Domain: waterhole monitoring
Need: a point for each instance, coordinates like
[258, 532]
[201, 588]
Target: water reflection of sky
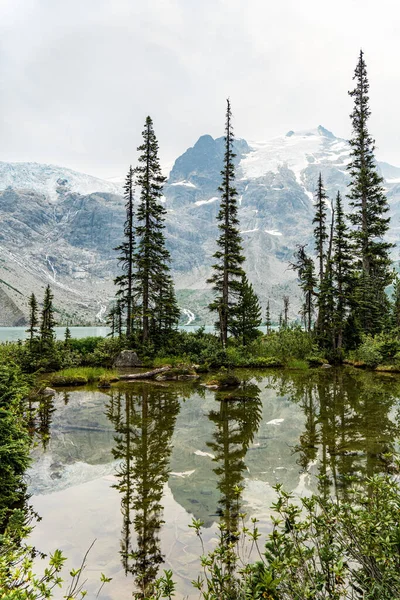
[294, 426]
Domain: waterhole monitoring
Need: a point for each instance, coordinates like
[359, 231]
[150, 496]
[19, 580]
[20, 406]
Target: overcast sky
[78, 77]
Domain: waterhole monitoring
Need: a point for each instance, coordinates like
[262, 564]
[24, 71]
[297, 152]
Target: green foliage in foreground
[318, 549]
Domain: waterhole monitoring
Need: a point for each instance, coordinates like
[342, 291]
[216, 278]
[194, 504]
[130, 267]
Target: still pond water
[131, 466]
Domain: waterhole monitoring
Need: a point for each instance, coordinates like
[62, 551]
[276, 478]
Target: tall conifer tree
[342, 270]
[246, 318]
[268, 318]
[48, 322]
[228, 273]
[305, 268]
[320, 230]
[152, 257]
[33, 319]
[369, 215]
[125, 282]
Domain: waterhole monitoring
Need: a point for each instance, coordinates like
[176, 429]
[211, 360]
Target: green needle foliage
[126, 259]
[47, 323]
[369, 215]
[153, 282]
[246, 318]
[228, 272]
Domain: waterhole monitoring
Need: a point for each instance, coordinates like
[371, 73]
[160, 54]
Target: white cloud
[79, 78]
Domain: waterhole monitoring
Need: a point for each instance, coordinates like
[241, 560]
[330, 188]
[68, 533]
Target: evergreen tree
[47, 323]
[111, 321]
[369, 215]
[33, 319]
[166, 314]
[228, 272]
[125, 282]
[326, 296]
[152, 257]
[304, 266]
[342, 270]
[246, 317]
[268, 319]
[320, 230]
[396, 303]
[67, 337]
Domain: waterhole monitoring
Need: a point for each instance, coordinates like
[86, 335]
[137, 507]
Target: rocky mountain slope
[60, 227]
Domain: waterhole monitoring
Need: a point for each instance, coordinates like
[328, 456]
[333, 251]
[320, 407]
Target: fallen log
[146, 375]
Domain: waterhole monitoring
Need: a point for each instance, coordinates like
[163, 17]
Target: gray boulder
[127, 358]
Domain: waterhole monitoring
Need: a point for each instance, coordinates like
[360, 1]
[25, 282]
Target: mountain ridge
[58, 233]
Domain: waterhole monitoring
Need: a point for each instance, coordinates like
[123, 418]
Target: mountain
[60, 227]
[51, 180]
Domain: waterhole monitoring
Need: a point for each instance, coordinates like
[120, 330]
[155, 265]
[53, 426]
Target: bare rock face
[127, 358]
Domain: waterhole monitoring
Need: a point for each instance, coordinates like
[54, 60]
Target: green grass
[81, 376]
[297, 363]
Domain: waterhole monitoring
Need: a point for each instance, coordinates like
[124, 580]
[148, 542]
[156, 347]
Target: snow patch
[184, 183]
[183, 473]
[201, 453]
[249, 230]
[275, 422]
[273, 232]
[210, 201]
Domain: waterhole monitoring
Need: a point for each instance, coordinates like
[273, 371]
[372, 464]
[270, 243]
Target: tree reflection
[349, 423]
[144, 418]
[236, 422]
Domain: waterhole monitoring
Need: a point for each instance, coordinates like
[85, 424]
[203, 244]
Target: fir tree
[320, 231]
[304, 266]
[369, 215]
[152, 257]
[111, 321]
[67, 337]
[268, 319]
[326, 296]
[125, 282]
[246, 317]
[47, 323]
[228, 272]
[342, 270]
[396, 303]
[33, 319]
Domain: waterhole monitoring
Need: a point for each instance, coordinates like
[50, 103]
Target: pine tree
[342, 271]
[320, 231]
[228, 272]
[369, 215]
[396, 303]
[47, 323]
[246, 317]
[326, 295]
[152, 257]
[268, 319]
[111, 321]
[166, 314]
[67, 337]
[304, 266]
[125, 282]
[33, 319]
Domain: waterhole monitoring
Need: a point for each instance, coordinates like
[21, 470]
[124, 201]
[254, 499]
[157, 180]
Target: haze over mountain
[60, 227]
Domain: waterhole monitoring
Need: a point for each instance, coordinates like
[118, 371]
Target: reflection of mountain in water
[345, 419]
[144, 420]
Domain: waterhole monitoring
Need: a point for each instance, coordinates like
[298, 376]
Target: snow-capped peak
[52, 180]
[296, 150]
